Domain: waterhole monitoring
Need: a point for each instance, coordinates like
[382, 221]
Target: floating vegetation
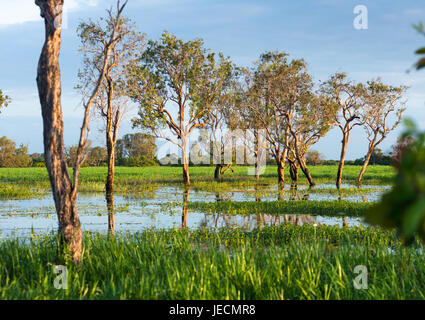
[313, 208]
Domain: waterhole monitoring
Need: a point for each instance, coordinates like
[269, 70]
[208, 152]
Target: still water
[163, 209]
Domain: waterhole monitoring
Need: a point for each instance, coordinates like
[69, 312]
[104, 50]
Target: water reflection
[185, 210]
[111, 213]
[258, 221]
[164, 208]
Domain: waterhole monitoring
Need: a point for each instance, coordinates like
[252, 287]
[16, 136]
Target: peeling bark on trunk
[185, 161]
[111, 137]
[49, 88]
[110, 191]
[372, 146]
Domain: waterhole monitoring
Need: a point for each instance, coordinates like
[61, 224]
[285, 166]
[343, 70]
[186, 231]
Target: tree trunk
[109, 187]
[185, 160]
[302, 162]
[217, 171]
[281, 173]
[49, 88]
[306, 172]
[293, 171]
[342, 160]
[257, 167]
[365, 164]
[111, 136]
[372, 146]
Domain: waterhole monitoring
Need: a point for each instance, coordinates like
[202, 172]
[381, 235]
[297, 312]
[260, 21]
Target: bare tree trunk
[217, 171]
[257, 168]
[111, 136]
[281, 172]
[293, 171]
[185, 161]
[109, 187]
[306, 172]
[365, 164]
[372, 146]
[49, 88]
[301, 161]
[342, 160]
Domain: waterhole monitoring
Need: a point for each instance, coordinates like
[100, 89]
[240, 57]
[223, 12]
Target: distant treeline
[133, 150]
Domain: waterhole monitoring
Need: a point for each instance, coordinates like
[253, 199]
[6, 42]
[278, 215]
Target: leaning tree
[124, 45]
[177, 84]
[383, 110]
[64, 188]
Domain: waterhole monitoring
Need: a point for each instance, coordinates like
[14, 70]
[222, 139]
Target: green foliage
[421, 62]
[183, 73]
[4, 100]
[286, 262]
[378, 157]
[140, 161]
[12, 157]
[403, 208]
[137, 149]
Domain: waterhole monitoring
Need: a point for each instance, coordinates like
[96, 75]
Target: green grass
[313, 208]
[18, 191]
[145, 179]
[286, 262]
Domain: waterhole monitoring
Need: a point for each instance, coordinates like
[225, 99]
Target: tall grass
[287, 262]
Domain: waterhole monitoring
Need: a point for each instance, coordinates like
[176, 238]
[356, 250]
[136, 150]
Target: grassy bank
[287, 262]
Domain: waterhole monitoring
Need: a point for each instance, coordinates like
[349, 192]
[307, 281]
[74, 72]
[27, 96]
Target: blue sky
[320, 31]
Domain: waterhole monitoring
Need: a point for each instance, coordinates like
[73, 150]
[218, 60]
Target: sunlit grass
[139, 180]
[287, 262]
[313, 208]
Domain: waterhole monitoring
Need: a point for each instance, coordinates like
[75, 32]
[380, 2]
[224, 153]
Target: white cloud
[22, 11]
[413, 12]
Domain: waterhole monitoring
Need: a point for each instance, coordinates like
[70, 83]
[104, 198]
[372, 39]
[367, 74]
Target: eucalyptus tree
[275, 87]
[124, 44]
[177, 84]
[244, 119]
[221, 127]
[64, 188]
[383, 111]
[348, 98]
[4, 101]
[311, 120]
[217, 139]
